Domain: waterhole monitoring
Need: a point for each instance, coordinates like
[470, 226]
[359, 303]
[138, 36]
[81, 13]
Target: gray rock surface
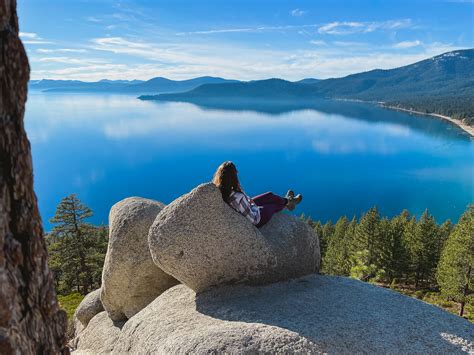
[89, 307]
[203, 242]
[100, 336]
[311, 314]
[130, 279]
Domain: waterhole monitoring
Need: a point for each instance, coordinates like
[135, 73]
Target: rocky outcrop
[130, 279]
[203, 242]
[214, 250]
[89, 307]
[312, 314]
[100, 336]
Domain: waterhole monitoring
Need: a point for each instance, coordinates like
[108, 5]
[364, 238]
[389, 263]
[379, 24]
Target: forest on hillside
[418, 257]
[461, 108]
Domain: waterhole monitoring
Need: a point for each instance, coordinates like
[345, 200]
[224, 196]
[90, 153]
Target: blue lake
[345, 157]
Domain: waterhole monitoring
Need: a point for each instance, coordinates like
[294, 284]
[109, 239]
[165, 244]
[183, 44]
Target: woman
[260, 209]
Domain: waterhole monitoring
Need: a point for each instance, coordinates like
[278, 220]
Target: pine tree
[76, 248]
[335, 261]
[396, 255]
[455, 273]
[409, 241]
[326, 234]
[422, 240]
[367, 236]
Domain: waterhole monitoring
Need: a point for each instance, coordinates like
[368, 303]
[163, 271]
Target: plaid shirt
[240, 202]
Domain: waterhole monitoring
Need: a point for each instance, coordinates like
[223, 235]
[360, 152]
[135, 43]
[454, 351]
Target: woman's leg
[267, 212]
[269, 204]
[269, 198]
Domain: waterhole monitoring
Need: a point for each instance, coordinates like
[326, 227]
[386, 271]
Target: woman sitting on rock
[259, 209]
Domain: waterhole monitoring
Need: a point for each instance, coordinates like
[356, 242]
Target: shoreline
[468, 129]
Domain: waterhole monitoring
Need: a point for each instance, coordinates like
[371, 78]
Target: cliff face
[30, 319]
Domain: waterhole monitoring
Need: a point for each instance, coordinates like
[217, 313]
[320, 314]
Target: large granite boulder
[89, 307]
[312, 314]
[203, 242]
[100, 336]
[130, 279]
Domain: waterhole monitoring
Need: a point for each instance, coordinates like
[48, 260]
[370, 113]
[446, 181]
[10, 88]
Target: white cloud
[318, 43]
[37, 42]
[350, 44]
[248, 29]
[33, 38]
[346, 28]
[28, 35]
[407, 44]
[61, 50]
[67, 60]
[93, 19]
[297, 12]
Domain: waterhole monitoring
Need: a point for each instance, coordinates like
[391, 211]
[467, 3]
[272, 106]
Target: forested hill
[258, 89]
[443, 84]
[449, 74]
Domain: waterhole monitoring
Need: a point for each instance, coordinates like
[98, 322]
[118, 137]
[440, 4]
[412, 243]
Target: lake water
[344, 157]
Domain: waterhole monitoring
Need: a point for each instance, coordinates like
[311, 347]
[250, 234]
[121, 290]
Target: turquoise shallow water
[344, 157]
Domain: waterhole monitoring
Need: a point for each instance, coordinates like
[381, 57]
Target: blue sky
[93, 40]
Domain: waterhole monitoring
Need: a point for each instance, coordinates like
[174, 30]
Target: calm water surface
[344, 157]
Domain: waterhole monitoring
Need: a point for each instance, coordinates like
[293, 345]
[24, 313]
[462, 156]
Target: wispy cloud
[93, 19]
[61, 50]
[406, 44]
[33, 38]
[29, 35]
[350, 44]
[67, 60]
[318, 43]
[248, 29]
[297, 12]
[346, 28]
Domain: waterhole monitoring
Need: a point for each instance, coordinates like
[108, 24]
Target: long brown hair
[225, 178]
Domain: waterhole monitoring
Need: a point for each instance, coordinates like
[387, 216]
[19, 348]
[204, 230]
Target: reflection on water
[344, 156]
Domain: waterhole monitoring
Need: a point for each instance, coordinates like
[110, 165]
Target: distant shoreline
[459, 123]
[468, 129]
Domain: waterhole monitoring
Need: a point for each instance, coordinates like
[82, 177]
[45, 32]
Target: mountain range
[154, 85]
[442, 84]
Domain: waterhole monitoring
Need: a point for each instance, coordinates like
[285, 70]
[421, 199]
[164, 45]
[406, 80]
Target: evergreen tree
[455, 274]
[326, 234]
[422, 241]
[76, 248]
[367, 239]
[396, 255]
[408, 242]
[443, 233]
[361, 268]
[336, 258]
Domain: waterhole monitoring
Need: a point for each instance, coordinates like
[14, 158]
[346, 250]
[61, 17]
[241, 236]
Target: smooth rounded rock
[130, 279]
[89, 307]
[313, 314]
[99, 337]
[203, 242]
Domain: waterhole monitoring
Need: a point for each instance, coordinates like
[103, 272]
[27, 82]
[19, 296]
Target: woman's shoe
[293, 201]
[298, 198]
